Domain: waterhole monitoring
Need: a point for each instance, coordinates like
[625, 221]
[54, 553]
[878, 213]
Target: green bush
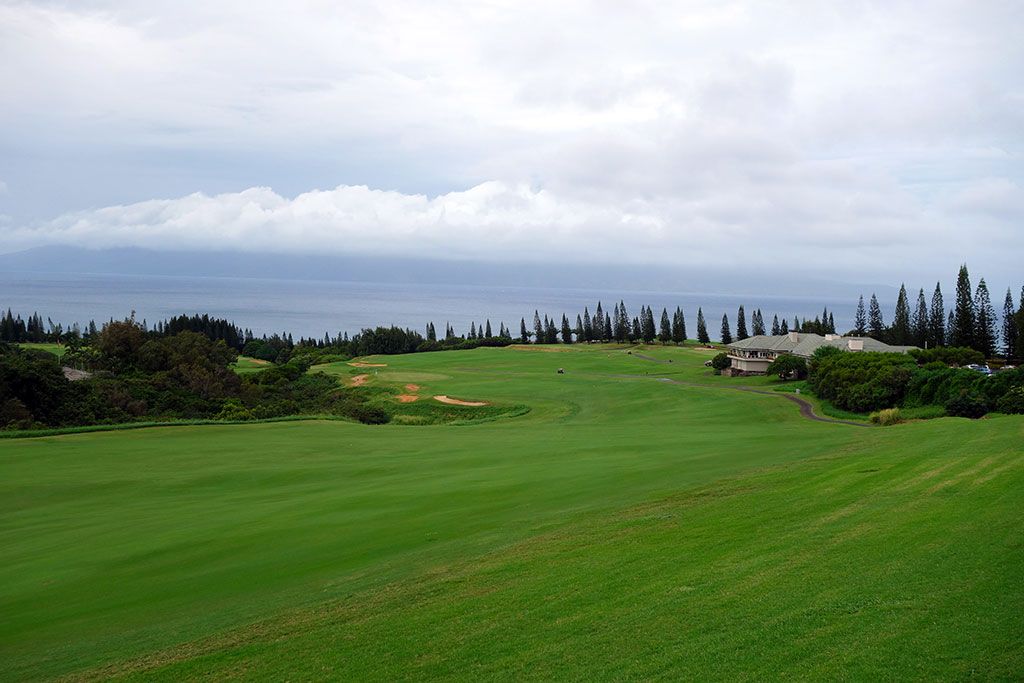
[967, 404]
[787, 366]
[1012, 402]
[720, 362]
[861, 381]
[947, 356]
[887, 417]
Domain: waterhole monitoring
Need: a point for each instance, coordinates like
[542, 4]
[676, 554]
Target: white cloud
[648, 130]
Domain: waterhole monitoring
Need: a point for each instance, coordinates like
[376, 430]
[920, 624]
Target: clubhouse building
[753, 355]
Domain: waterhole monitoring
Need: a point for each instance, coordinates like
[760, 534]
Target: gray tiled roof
[807, 343]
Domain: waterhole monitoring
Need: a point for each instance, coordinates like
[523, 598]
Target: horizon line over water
[311, 308]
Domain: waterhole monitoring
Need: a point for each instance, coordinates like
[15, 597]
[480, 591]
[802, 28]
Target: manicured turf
[623, 528]
[244, 365]
[56, 349]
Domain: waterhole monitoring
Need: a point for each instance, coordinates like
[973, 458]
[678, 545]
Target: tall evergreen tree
[985, 338]
[588, 327]
[741, 324]
[678, 326]
[776, 330]
[538, 328]
[901, 328]
[579, 329]
[702, 329]
[431, 333]
[726, 334]
[524, 336]
[472, 330]
[487, 330]
[665, 331]
[608, 325]
[758, 323]
[937, 319]
[599, 331]
[961, 331]
[1020, 326]
[860, 320]
[622, 323]
[566, 331]
[919, 323]
[876, 326]
[638, 330]
[647, 325]
[784, 327]
[1009, 325]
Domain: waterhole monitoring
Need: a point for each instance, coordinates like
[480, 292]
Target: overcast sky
[877, 139]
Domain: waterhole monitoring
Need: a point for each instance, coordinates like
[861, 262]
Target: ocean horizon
[311, 308]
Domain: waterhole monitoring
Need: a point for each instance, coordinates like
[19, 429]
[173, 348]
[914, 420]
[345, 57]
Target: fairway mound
[359, 380]
[457, 402]
[360, 364]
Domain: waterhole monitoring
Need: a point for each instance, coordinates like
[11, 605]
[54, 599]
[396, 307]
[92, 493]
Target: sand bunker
[360, 364]
[456, 402]
[359, 380]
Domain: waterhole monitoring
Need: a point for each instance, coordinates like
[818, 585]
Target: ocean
[310, 308]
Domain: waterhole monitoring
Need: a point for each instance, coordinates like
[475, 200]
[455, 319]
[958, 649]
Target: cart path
[806, 407]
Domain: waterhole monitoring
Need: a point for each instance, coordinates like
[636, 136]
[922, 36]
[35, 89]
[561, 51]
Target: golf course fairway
[622, 528]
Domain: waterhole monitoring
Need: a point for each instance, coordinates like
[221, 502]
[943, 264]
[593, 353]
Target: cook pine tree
[876, 326]
[900, 332]
[860, 320]
[919, 323]
[702, 329]
[937, 319]
[741, 324]
[1010, 331]
[726, 334]
[984, 321]
[961, 328]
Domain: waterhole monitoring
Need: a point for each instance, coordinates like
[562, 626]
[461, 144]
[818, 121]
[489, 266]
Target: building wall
[750, 364]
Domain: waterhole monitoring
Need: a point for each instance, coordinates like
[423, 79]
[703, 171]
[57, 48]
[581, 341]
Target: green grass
[623, 528]
[56, 349]
[245, 365]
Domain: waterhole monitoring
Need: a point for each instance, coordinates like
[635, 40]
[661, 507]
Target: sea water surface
[311, 308]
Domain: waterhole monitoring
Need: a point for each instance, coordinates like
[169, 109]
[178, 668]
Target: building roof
[805, 344]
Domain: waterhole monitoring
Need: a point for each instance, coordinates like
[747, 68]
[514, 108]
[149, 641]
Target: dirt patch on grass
[408, 398]
[359, 380]
[360, 364]
[412, 388]
[458, 402]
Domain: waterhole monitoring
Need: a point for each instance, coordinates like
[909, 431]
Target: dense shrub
[788, 365]
[720, 362]
[887, 417]
[862, 381]
[939, 386]
[947, 355]
[1012, 402]
[967, 405]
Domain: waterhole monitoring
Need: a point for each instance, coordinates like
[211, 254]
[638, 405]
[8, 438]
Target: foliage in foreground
[865, 382]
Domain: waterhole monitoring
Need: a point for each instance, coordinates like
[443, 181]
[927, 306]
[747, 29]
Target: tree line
[971, 322]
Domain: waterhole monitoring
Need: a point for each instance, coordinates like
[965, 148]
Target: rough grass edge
[123, 426]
